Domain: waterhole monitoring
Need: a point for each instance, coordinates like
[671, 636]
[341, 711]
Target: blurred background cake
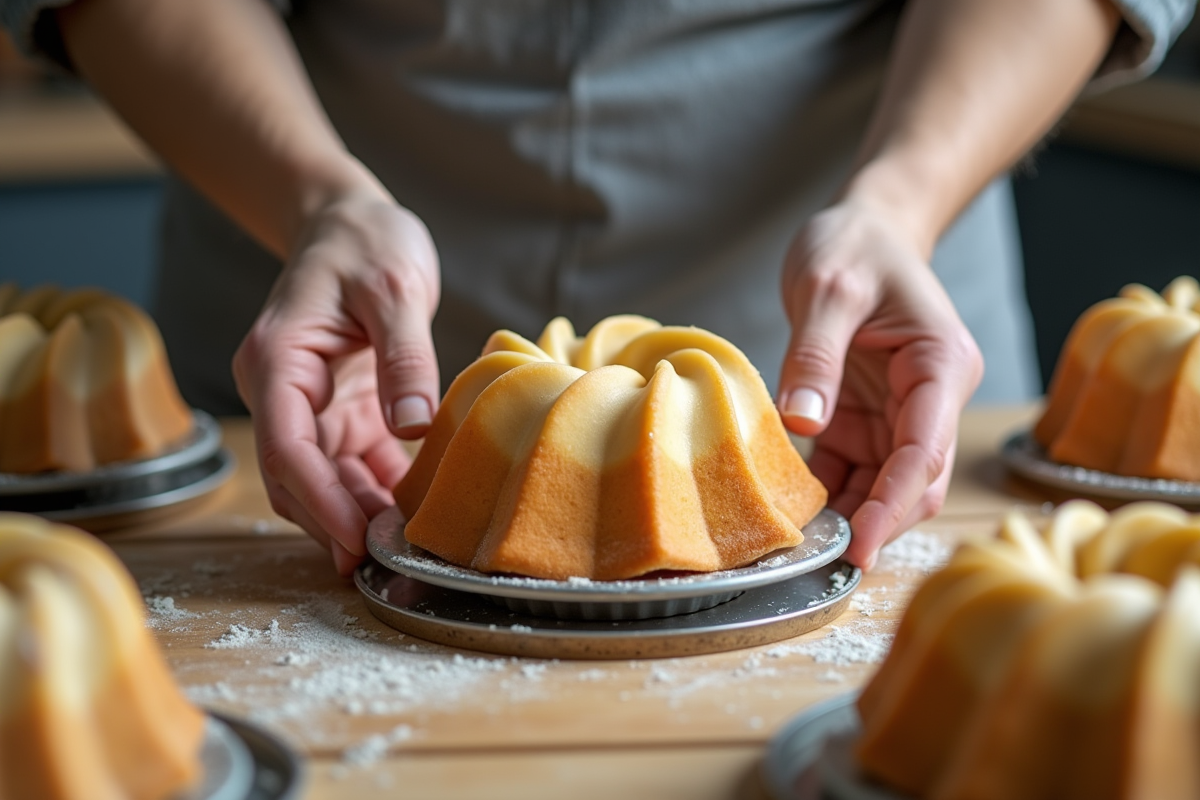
[84, 381]
[1054, 663]
[88, 708]
[1125, 397]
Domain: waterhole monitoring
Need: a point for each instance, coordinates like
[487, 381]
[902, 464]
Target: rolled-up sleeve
[1147, 30]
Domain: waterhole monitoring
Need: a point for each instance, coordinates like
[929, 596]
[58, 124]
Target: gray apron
[591, 158]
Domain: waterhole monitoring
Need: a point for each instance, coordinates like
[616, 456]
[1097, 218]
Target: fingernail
[871, 559]
[805, 403]
[410, 412]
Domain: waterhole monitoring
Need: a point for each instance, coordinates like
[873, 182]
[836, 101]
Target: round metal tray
[826, 537]
[240, 761]
[197, 446]
[1024, 456]
[460, 619]
[226, 766]
[812, 757]
[141, 493]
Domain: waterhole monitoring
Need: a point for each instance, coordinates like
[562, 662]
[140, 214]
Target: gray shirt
[588, 158]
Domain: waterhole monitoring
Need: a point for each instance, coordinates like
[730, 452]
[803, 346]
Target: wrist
[913, 194]
[325, 186]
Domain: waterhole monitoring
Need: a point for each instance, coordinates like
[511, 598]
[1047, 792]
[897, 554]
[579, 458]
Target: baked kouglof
[84, 381]
[88, 708]
[633, 449]
[1055, 663]
[1125, 397]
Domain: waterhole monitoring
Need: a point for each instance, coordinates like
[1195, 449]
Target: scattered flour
[328, 662]
[210, 568]
[840, 647]
[868, 603]
[373, 748]
[837, 584]
[915, 551]
[309, 657]
[163, 613]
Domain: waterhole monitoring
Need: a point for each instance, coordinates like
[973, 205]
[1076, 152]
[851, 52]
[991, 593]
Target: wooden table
[255, 623]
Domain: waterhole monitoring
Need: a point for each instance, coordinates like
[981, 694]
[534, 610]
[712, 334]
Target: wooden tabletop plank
[692, 773]
[255, 623]
[262, 628]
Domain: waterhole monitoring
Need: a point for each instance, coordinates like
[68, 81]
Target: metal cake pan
[812, 757]
[199, 445]
[826, 537]
[760, 615]
[1023, 455]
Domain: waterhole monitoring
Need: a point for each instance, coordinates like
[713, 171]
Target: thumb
[405, 362]
[823, 326]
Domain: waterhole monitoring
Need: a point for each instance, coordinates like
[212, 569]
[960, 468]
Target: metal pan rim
[1023, 455]
[630, 629]
[221, 469]
[198, 446]
[828, 529]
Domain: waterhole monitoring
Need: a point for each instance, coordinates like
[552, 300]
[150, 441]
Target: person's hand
[340, 359]
[878, 368]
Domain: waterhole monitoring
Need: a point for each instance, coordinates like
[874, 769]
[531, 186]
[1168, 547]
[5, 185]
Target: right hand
[339, 363]
[878, 369]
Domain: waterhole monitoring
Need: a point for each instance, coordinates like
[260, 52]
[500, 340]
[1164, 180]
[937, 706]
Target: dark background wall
[1092, 222]
[96, 233]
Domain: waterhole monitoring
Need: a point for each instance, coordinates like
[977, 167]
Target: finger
[360, 481]
[825, 309]
[931, 502]
[858, 437]
[924, 445]
[290, 456]
[396, 320]
[344, 562]
[829, 468]
[855, 491]
[389, 461]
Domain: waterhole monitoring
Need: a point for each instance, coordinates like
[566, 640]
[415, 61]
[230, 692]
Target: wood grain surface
[255, 623]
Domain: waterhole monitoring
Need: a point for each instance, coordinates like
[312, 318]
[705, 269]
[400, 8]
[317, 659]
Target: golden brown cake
[1057, 663]
[84, 381]
[1125, 397]
[88, 709]
[633, 449]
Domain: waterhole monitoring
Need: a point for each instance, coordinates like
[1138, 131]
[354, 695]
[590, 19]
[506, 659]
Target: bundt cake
[633, 449]
[1125, 397]
[1057, 663]
[84, 381]
[88, 708]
